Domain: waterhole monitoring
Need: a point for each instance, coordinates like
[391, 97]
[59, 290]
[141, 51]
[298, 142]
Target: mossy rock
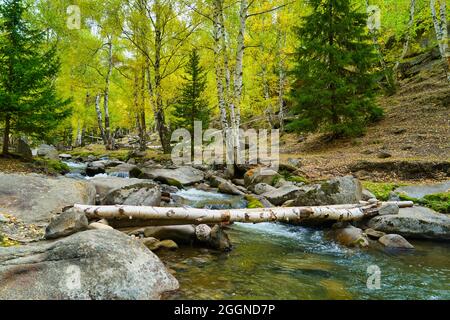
[253, 202]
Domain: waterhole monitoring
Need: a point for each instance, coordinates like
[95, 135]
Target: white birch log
[206, 216]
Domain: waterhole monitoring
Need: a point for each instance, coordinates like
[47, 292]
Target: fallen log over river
[183, 215]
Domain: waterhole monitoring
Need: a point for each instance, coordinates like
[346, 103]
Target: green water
[273, 261]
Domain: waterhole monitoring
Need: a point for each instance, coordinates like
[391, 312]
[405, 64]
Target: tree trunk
[170, 216]
[109, 139]
[100, 119]
[441, 28]
[412, 8]
[219, 61]
[6, 133]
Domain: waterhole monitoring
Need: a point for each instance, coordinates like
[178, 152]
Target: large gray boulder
[113, 190]
[417, 222]
[47, 151]
[90, 265]
[342, 190]
[36, 198]
[181, 176]
[138, 194]
[285, 193]
[23, 149]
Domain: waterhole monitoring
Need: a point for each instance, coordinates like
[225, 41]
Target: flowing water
[274, 261]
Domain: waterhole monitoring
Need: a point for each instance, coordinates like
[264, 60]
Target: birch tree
[441, 29]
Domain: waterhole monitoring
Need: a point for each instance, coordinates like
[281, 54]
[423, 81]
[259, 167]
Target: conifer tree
[335, 84]
[192, 105]
[28, 100]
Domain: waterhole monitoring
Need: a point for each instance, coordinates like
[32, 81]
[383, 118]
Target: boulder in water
[350, 236]
[184, 234]
[395, 241]
[227, 187]
[95, 264]
[414, 223]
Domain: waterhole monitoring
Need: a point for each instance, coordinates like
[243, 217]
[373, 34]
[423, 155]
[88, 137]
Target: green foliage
[6, 242]
[381, 190]
[334, 78]
[191, 105]
[253, 203]
[28, 70]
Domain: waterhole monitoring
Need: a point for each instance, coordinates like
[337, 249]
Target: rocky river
[267, 260]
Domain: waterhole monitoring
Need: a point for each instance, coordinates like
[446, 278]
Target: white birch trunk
[109, 142]
[441, 29]
[167, 216]
[100, 118]
[412, 9]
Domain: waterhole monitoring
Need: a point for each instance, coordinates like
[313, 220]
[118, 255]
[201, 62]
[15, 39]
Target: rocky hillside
[411, 142]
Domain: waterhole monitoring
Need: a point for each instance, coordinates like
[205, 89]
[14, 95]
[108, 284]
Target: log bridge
[161, 216]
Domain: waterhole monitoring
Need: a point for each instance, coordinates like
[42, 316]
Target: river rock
[350, 236]
[395, 241]
[95, 264]
[279, 196]
[184, 234]
[366, 195]
[24, 150]
[203, 233]
[373, 234]
[260, 175]
[342, 190]
[65, 224]
[36, 198]
[420, 191]
[166, 245]
[416, 222]
[138, 194]
[389, 209]
[262, 188]
[219, 239]
[181, 176]
[227, 187]
[104, 185]
[149, 242]
[47, 151]
[95, 168]
[123, 167]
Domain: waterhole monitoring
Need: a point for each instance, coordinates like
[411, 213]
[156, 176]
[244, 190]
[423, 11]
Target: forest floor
[412, 142]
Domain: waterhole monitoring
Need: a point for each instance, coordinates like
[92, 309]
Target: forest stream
[274, 261]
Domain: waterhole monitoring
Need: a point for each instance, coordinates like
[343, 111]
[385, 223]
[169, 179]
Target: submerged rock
[184, 234]
[416, 222]
[350, 236]
[90, 265]
[36, 198]
[395, 241]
